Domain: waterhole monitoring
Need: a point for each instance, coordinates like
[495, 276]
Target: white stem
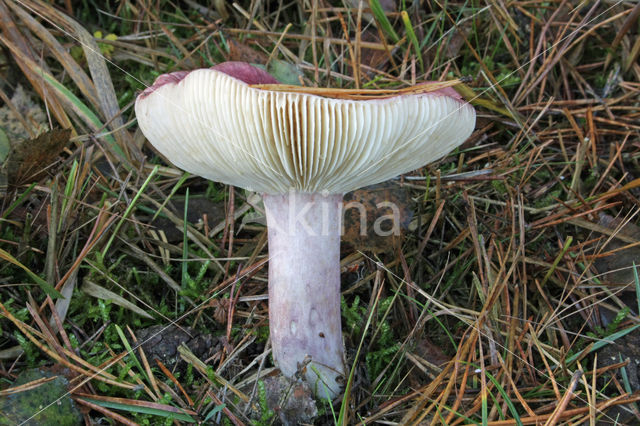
[304, 287]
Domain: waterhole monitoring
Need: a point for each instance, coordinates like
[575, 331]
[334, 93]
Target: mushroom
[302, 152]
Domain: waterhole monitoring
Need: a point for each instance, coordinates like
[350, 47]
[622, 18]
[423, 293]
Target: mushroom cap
[212, 123]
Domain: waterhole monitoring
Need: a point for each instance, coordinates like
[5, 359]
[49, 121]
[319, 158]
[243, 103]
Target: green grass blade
[600, 343]
[636, 281]
[87, 115]
[413, 39]
[130, 351]
[19, 201]
[129, 209]
[557, 260]
[68, 191]
[45, 286]
[214, 411]
[382, 20]
[168, 413]
[347, 390]
[485, 409]
[506, 398]
[175, 188]
[185, 245]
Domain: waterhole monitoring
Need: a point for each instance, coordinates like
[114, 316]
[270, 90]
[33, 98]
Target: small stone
[46, 404]
[292, 401]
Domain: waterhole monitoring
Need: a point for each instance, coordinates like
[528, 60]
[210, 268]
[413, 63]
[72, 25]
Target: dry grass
[508, 273]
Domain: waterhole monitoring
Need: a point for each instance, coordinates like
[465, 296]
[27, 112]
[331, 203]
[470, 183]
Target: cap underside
[215, 126]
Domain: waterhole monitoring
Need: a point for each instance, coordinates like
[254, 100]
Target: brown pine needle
[359, 94]
[175, 381]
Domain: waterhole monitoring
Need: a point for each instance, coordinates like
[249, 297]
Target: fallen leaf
[30, 160]
[375, 217]
[245, 53]
[220, 309]
[285, 72]
[100, 292]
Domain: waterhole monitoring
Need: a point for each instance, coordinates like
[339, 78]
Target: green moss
[46, 404]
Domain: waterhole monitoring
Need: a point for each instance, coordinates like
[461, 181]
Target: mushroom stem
[304, 287]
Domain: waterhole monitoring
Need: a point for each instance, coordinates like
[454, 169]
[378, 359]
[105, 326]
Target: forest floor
[133, 292]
